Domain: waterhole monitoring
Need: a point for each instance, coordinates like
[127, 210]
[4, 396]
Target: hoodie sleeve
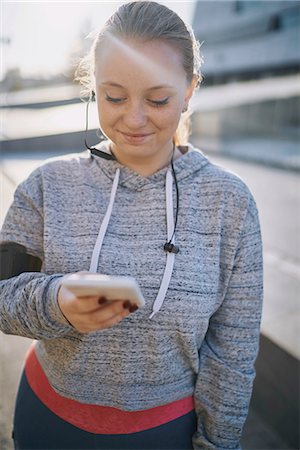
[28, 302]
[228, 353]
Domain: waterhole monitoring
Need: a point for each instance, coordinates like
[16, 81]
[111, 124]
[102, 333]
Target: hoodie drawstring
[170, 256]
[104, 225]
[170, 235]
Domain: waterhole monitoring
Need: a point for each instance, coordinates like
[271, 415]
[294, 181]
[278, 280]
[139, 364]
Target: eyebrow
[154, 88]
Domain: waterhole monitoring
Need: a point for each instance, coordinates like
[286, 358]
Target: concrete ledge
[67, 141]
[281, 153]
[275, 117]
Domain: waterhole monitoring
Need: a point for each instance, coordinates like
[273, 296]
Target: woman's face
[141, 90]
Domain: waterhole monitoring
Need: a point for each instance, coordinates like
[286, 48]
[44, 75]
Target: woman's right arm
[28, 302]
[29, 308]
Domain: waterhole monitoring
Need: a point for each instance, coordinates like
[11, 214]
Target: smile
[135, 137]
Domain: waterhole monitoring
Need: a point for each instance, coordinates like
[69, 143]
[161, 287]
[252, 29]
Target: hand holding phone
[92, 302]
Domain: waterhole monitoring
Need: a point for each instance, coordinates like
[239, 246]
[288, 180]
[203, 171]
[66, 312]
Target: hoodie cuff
[58, 320]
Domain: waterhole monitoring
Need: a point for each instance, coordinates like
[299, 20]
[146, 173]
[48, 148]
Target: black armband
[14, 260]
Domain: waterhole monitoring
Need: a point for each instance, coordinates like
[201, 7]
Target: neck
[147, 166]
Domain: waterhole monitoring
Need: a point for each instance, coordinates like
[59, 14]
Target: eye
[113, 99]
[163, 102]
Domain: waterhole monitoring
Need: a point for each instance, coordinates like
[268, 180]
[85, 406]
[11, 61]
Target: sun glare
[40, 38]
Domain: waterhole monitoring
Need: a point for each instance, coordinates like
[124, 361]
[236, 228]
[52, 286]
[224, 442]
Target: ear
[189, 91]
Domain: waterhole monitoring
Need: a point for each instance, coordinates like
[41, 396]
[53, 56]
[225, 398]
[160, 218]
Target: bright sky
[44, 34]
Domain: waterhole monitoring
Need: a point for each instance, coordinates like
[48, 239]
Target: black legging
[36, 427]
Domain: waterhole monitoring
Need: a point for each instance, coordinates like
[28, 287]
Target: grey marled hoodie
[204, 339]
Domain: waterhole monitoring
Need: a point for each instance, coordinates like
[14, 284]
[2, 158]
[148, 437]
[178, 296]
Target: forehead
[130, 61]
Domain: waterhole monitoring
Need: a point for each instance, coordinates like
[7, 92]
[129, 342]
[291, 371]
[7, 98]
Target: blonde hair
[147, 20]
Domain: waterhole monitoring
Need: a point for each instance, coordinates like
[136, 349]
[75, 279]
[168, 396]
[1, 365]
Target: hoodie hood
[191, 161]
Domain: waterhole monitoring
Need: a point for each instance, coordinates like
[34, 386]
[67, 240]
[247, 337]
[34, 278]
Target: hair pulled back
[146, 21]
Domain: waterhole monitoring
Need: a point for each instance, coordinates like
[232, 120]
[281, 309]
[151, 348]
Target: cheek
[169, 118]
[107, 115]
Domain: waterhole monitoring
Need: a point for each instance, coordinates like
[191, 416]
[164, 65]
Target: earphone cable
[87, 125]
[94, 150]
[177, 194]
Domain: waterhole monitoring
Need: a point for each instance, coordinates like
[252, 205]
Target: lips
[135, 138]
[136, 135]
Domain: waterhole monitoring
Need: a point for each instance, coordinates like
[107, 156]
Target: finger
[88, 304]
[133, 308]
[94, 325]
[128, 308]
[102, 300]
[106, 311]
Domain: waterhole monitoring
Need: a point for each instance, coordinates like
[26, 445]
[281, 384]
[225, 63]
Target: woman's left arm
[228, 353]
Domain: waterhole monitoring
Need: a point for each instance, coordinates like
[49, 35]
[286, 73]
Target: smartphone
[111, 287]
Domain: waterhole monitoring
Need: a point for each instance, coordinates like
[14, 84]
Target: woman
[177, 373]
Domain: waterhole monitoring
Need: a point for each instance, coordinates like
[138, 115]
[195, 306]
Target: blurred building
[247, 39]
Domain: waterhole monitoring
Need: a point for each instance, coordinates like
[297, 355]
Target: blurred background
[246, 118]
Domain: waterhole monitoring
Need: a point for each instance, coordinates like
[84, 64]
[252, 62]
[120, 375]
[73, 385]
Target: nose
[134, 116]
